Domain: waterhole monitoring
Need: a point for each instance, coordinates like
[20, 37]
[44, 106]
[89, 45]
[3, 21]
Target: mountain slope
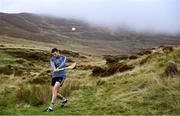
[51, 30]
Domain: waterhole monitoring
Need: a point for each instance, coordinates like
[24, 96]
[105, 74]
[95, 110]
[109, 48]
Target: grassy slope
[143, 90]
[140, 91]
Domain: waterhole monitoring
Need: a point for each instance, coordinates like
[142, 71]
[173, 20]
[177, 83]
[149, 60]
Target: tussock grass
[69, 86]
[32, 94]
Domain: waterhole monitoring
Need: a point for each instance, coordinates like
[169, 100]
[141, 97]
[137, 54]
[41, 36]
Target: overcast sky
[153, 15]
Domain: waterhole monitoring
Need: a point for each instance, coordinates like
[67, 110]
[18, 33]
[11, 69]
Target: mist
[140, 15]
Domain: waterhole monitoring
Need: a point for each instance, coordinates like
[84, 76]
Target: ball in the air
[73, 29]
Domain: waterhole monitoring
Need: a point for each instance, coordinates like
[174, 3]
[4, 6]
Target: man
[57, 62]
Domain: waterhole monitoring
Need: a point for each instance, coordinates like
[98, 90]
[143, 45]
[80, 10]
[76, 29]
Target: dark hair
[54, 50]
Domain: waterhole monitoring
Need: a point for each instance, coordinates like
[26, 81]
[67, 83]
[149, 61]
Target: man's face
[56, 54]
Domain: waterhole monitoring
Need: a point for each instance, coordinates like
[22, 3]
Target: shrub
[20, 60]
[167, 48]
[70, 53]
[85, 67]
[28, 54]
[100, 82]
[70, 60]
[2, 45]
[123, 57]
[145, 52]
[133, 57]
[111, 59]
[42, 78]
[111, 69]
[144, 60]
[97, 71]
[7, 70]
[18, 72]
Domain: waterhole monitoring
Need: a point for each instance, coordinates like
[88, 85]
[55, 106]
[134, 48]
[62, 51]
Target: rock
[172, 69]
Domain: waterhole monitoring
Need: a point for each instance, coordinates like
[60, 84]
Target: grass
[141, 91]
[33, 95]
[69, 86]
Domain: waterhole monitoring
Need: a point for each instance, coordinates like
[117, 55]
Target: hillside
[25, 80]
[53, 31]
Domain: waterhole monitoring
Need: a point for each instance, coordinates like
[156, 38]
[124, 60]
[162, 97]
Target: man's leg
[60, 97]
[54, 95]
[58, 94]
[63, 100]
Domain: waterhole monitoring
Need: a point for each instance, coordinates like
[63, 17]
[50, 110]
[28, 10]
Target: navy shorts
[57, 79]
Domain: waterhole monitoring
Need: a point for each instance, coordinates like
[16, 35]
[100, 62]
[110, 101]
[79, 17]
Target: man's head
[55, 52]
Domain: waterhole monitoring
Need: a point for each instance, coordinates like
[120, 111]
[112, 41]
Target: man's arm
[53, 67]
[73, 65]
[63, 62]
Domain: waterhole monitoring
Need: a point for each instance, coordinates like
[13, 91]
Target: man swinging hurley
[58, 62]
